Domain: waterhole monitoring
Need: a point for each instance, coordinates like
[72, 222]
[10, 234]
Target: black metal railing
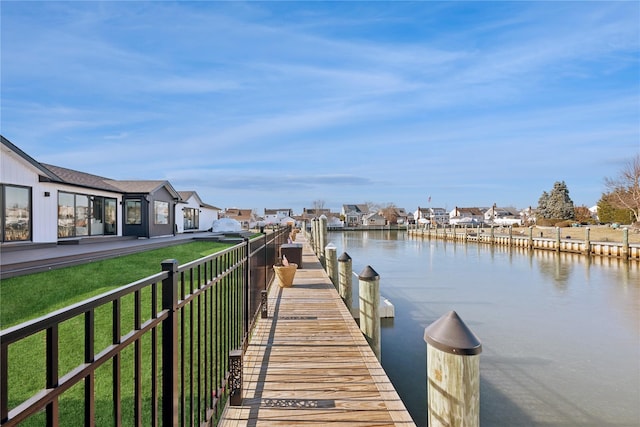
[159, 346]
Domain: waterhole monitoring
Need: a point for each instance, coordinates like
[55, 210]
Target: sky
[294, 104]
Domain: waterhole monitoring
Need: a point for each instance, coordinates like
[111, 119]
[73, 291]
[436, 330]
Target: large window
[82, 215]
[161, 212]
[16, 213]
[191, 218]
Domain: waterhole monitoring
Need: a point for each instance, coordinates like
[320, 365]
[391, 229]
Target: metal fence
[153, 352]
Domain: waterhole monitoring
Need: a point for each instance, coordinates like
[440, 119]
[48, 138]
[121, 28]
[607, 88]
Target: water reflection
[560, 331]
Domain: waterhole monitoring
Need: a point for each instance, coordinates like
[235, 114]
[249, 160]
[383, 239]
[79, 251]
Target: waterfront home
[502, 216]
[373, 219]
[466, 216]
[276, 216]
[354, 214]
[433, 216]
[192, 214]
[245, 217]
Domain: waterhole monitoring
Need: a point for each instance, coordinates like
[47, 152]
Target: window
[191, 219]
[83, 215]
[133, 212]
[161, 212]
[16, 213]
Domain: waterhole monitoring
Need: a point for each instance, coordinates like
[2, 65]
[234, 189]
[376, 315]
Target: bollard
[235, 378]
[558, 239]
[453, 373]
[510, 235]
[331, 256]
[530, 236]
[369, 289]
[345, 280]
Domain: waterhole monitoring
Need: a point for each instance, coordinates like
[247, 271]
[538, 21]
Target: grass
[27, 297]
[597, 233]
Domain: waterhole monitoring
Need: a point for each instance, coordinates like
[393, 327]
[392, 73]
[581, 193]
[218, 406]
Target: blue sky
[279, 104]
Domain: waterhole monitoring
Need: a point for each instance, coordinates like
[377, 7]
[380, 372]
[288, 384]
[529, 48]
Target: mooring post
[587, 241]
[510, 235]
[323, 238]
[345, 280]
[558, 239]
[314, 235]
[530, 236]
[453, 373]
[369, 290]
[331, 255]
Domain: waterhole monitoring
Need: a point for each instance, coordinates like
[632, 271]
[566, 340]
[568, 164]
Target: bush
[565, 223]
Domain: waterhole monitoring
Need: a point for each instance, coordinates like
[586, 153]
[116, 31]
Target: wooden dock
[309, 364]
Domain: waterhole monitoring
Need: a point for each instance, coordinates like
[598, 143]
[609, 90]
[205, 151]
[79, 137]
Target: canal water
[560, 332]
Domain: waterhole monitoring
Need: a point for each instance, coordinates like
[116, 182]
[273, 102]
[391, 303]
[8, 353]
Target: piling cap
[368, 274]
[451, 335]
[344, 257]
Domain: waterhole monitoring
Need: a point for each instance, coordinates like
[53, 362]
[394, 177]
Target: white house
[276, 216]
[502, 216]
[353, 214]
[373, 219]
[466, 216]
[192, 214]
[433, 216]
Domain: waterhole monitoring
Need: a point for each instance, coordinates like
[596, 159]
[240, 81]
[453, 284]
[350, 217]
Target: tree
[557, 204]
[583, 215]
[624, 190]
[607, 213]
[390, 213]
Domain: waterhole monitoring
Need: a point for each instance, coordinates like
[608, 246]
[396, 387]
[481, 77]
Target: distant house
[310, 213]
[466, 216]
[353, 214]
[192, 214]
[245, 217]
[373, 219]
[433, 216]
[502, 216]
[276, 216]
[395, 215]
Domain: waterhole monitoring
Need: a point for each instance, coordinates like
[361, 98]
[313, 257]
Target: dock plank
[308, 364]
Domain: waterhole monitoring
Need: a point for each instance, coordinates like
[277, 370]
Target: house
[310, 213]
[373, 219]
[245, 217]
[466, 216]
[395, 215]
[48, 204]
[354, 214]
[192, 214]
[276, 216]
[502, 216]
[433, 216]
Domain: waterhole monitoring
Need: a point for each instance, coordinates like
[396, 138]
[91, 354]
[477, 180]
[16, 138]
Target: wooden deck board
[308, 363]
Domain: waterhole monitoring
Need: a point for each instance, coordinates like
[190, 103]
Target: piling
[625, 243]
[453, 373]
[345, 272]
[587, 241]
[322, 231]
[557, 239]
[331, 267]
[369, 290]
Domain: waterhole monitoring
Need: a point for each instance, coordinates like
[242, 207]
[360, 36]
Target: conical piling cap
[368, 274]
[344, 257]
[450, 334]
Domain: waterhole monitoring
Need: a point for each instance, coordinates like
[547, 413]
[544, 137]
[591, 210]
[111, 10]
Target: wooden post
[331, 256]
[510, 235]
[322, 228]
[625, 243]
[558, 239]
[453, 373]
[369, 289]
[345, 280]
[587, 241]
[493, 235]
[314, 234]
[530, 236]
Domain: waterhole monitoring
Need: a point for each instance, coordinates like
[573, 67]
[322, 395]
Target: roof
[82, 179]
[46, 172]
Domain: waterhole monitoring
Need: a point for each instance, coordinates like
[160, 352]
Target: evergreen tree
[557, 204]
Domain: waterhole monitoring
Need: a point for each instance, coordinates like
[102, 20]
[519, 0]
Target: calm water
[560, 334]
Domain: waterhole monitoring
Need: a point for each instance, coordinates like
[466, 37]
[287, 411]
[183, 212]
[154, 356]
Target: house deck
[309, 364]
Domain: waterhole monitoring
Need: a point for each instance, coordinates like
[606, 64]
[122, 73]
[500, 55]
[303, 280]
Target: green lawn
[28, 297]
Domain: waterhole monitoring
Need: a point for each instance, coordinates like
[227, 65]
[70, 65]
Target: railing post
[345, 272]
[453, 373]
[369, 290]
[235, 378]
[170, 394]
[331, 255]
[246, 297]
